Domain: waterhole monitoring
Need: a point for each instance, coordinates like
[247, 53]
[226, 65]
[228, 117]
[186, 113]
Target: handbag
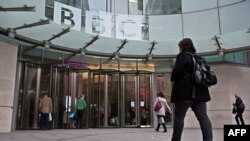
[157, 105]
[234, 110]
[50, 117]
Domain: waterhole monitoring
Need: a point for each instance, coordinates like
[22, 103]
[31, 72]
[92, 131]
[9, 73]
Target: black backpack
[241, 107]
[202, 75]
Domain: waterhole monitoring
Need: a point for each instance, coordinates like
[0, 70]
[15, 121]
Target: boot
[165, 128]
[157, 129]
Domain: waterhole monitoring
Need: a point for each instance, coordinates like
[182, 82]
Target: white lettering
[231, 133]
[67, 15]
[237, 131]
[243, 131]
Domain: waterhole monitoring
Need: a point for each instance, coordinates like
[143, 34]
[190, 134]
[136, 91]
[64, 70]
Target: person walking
[80, 106]
[45, 106]
[186, 94]
[239, 109]
[162, 111]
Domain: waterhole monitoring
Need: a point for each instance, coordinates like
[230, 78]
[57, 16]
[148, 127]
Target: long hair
[160, 94]
[187, 44]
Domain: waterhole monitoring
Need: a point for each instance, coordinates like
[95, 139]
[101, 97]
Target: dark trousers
[200, 111]
[79, 114]
[44, 121]
[239, 116]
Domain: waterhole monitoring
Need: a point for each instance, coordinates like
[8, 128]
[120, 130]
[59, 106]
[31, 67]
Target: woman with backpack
[185, 93]
[239, 109]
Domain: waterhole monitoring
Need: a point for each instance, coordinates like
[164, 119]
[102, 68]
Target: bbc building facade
[119, 54]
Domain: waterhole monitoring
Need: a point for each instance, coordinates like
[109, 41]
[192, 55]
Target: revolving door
[136, 92]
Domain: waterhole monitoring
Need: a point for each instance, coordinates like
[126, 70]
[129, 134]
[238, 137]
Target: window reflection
[130, 7]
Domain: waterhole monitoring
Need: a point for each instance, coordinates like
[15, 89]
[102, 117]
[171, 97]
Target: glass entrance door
[136, 97]
[129, 95]
[68, 85]
[104, 106]
[145, 100]
[27, 110]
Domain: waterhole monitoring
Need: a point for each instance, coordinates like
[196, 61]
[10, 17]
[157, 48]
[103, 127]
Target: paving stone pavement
[104, 134]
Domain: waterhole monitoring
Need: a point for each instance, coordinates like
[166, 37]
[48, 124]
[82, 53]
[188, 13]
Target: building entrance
[114, 98]
[105, 99]
[137, 99]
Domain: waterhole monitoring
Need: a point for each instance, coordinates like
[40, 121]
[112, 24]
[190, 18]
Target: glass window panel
[40, 7]
[229, 57]
[235, 40]
[50, 2]
[97, 5]
[74, 3]
[121, 6]
[162, 7]
[165, 27]
[227, 2]
[154, 7]
[135, 7]
[49, 13]
[201, 24]
[214, 58]
[195, 5]
[239, 57]
[234, 17]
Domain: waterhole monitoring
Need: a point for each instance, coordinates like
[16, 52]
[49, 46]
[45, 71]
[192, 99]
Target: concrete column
[8, 60]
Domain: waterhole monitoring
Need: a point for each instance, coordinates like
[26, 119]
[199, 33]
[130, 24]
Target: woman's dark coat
[181, 77]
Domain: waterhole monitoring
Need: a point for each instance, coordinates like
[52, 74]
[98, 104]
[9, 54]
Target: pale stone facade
[8, 61]
[231, 79]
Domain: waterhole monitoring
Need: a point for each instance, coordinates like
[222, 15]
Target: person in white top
[162, 111]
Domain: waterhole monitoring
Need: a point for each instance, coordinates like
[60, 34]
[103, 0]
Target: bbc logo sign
[236, 132]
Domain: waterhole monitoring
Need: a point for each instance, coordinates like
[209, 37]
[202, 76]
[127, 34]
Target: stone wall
[8, 60]
[231, 79]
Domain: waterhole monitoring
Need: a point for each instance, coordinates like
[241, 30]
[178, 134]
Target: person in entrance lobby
[45, 106]
[80, 106]
[185, 94]
[162, 111]
[239, 109]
